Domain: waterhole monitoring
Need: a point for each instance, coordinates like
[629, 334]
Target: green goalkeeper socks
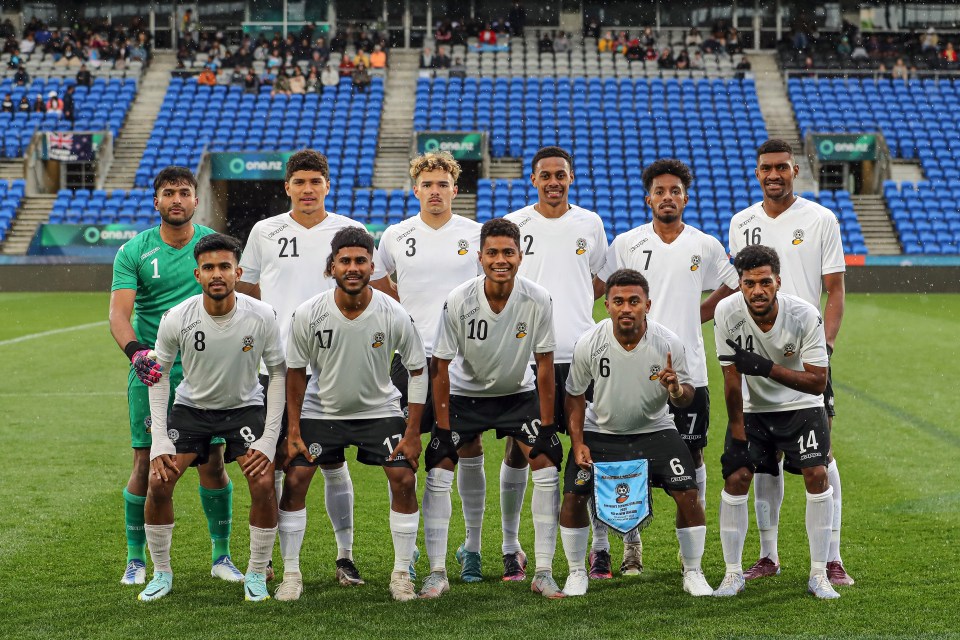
[218, 507]
[133, 515]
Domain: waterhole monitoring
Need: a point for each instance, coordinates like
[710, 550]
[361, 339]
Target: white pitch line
[62, 394]
[51, 332]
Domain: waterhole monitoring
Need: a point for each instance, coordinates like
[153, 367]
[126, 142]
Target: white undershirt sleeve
[276, 396]
[159, 395]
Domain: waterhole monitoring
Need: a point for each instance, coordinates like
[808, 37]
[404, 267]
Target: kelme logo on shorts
[378, 339]
[655, 371]
[247, 343]
[581, 246]
[694, 262]
[583, 476]
[521, 329]
[798, 236]
[623, 492]
[315, 449]
[462, 247]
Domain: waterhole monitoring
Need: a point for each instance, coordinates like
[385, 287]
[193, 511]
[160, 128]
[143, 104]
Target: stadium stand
[11, 195]
[83, 206]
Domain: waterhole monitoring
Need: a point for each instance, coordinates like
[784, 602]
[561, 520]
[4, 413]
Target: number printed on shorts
[810, 444]
[198, 341]
[388, 442]
[692, 417]
[676, 467]
[247, 434]
[531, 430]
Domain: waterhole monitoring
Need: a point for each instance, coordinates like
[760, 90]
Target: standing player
[776, 342]
[563, 247]
[679, 262]
[806, 237]
[152, 273]
[347, 336]
[283, 264]
[637, 367]
[490, 327]
[221, 337]
[431, 254]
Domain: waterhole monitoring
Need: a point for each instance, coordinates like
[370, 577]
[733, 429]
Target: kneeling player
[630, 361]
[221, 337]
[776, 341]
[489, 327]
[347, 336]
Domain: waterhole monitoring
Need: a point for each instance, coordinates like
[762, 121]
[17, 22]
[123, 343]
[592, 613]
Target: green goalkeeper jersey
[161, 275]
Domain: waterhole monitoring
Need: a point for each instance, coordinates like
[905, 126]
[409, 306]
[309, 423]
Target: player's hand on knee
[747, 362]
[255, 463]
[548, 444]
[581, 455]
[164, 467]
[146, 367]
[409, 448]
[736, 456]
[442, 443]
[297, 447]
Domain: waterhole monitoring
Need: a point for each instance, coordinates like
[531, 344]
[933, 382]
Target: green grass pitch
[64, 458]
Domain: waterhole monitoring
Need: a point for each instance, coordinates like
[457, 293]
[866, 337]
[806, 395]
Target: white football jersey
[678, 274]
[796, 338]
[806, 237]
[429, 264]
[491, 352]
[350, 359]
[288, 260]
[627, 395]
[220, 362]
[562, 255]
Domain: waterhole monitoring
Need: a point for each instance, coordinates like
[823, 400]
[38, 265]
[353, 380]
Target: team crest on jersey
[655, 371]
[173, 434]
[789, 350]
[147, 424]
[247, 343]
[315, 449]
[694, 262]
[582, 477]
[462, 247]
[581, 246]
[623, 492]
[521, 329]
[798, 236]
[455, 438]
[378, 339]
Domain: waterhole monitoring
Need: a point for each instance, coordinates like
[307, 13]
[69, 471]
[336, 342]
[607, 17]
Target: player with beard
[152, 273]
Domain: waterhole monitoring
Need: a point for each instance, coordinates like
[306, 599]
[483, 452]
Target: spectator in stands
[693, 39]
[236, 77]
[69, 108]
[517, 18]
[208, 77]
[251, 83]
[636, 51]
[844, 49]
[361, 78]
[329, 77]
[809, 66]
[682, 62]
[21, 77]
[591, 28]
[84, 79]
[24, 105]
[426, 59]
[361, 58]
[665, 60]
[622, 43]
[562, 43]
[54, 103]
[28, 44]
[7, 30]
[378, 59]
[733, 42]
[696, 62]
[949, 56]
[458, 69]
[605, 44]
[298, 83]
[7, 105]
[346, 67]
[650, 54]
[138, 51]
[647, 39]
[743, 67]
[930, 41]
[859, 54]
[321, 49]
[38, 106]
[545, 44]
[313, 84]
[69, 58]
[339, 43]
[488, 36]
[900, 71]
[281, 84]
[441, 60]
[710, 45]
[444, 33]
[188, 26]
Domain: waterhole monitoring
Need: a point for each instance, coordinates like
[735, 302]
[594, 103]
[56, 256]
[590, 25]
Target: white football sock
[701, 474]
[767, 498]
[632, 536]
[437, 509]
[692, 541]
[734, 521]
[545, 506]
[403, 528]
[575, 546]
[159, 539]
[472, 486]
[819, 518]
[833, 477]
[338, 498]
[601, 532]
[513, 484]
[278, 484]
[292, 525]
[261, 548]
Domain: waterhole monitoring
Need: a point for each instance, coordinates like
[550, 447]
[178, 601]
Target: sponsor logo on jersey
[190, 327]
[694, 262]
[798, 236]
[146, 255]
[581, 246]
[277, 230]
[623, 492]
[638, 245]
[147, 424]
[378, 339]
[462, 247]
[247, 343]
[789, 350]
[315, 449]
[173, 434]
[583, 476]
[655, 371]
[521, 329]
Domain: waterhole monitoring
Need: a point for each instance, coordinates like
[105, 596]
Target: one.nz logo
[798, 236]
[581, 246]
[521, 329]
[378, 339]
[655, 372]
[695, 263]
[247, 343]
[462, 247]
[789, 350]
[623, 492]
